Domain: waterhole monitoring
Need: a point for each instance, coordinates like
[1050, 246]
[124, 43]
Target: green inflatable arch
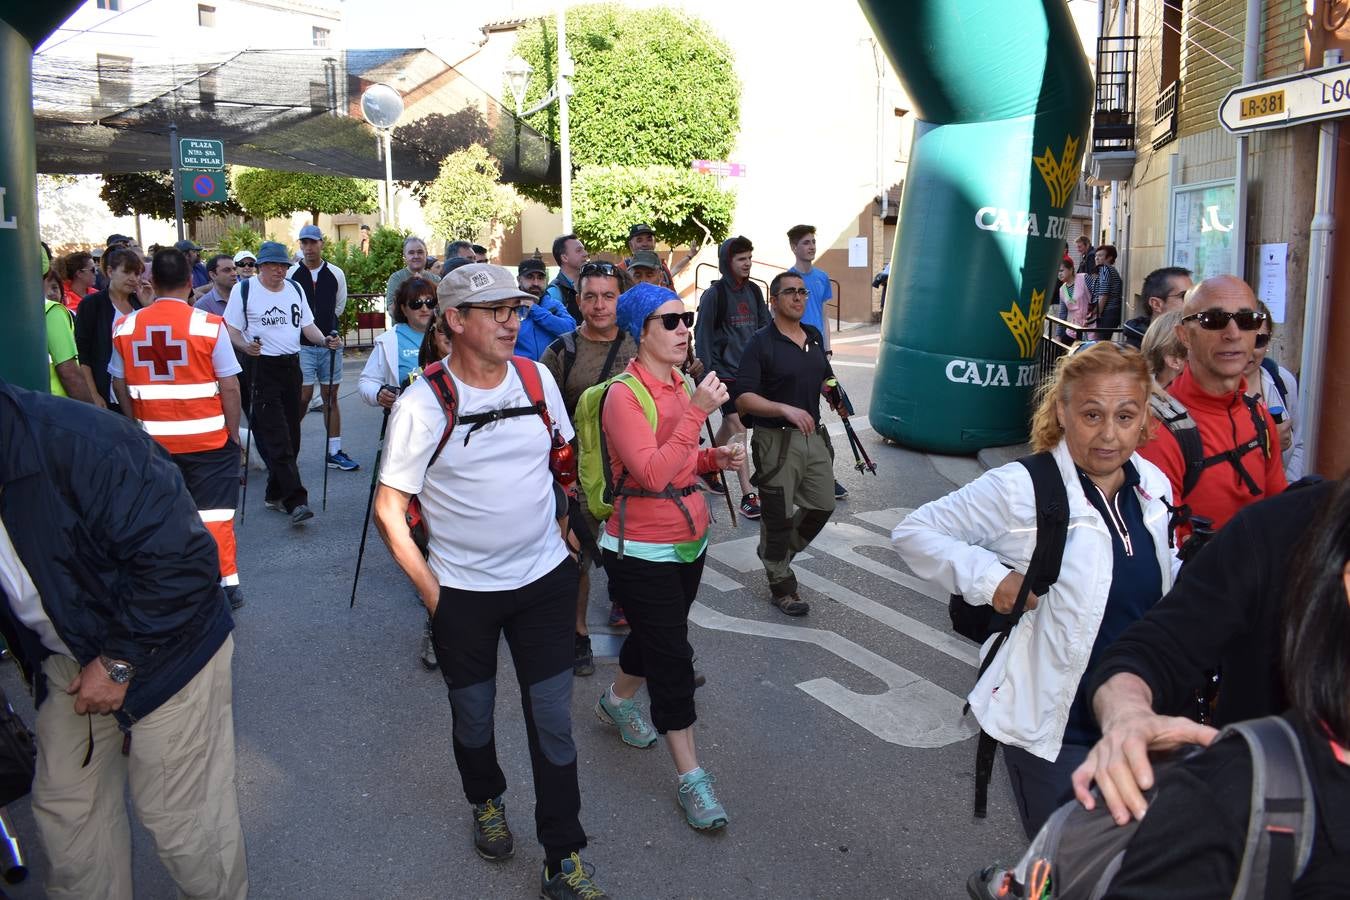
[1003, 95]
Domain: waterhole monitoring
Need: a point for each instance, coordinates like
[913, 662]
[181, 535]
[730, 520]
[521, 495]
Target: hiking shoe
[491, 835]
[235, 595]
[616, 617]
[301, 513]
[583, 662]
[701, 809]
[340, 460]
[750, 506]
[428, 654]
[274, 505]
[791, 605]
[571, 882]
[714, 482]
[840, 492]
[633, 727]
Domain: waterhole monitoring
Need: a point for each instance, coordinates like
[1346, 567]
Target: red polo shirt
[670, 456]
[1224, 422]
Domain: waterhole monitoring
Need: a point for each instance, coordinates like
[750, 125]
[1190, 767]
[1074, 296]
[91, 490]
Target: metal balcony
[1165, 115]
[1113, 113]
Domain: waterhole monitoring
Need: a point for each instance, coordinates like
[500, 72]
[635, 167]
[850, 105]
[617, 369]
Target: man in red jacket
[1238, 454]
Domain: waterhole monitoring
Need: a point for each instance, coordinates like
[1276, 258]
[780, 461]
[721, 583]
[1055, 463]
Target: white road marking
[860, 424]
[875, 337]
[839, 540]
[912, 712]
[719, 582]
[959, 470]
[853, 365]
[885, 519]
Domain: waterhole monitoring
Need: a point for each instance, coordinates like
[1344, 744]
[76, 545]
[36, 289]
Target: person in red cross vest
[174, 372]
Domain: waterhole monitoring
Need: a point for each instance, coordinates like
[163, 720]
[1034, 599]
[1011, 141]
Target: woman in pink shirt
[654, 543]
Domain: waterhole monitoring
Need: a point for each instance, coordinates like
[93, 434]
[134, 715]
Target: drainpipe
[1319, 282]
[1251, 57]
[1115, 185]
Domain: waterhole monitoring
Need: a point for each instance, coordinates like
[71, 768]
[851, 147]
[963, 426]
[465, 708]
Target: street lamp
[518, 73]
[381, 106]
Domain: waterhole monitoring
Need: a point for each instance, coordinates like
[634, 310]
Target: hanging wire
[98, 24]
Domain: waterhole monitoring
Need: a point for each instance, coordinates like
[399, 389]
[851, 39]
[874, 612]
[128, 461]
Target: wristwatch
[119, 672]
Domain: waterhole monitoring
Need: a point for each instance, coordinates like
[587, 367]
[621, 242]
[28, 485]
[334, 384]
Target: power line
[81, 31]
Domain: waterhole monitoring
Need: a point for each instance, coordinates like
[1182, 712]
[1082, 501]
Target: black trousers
[276, 427]
[656, 597]
[538, 621]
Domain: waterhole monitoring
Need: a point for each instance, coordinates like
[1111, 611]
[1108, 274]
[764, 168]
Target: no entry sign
[203, 187]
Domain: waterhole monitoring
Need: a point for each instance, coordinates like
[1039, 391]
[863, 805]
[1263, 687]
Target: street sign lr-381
[203, 187]
[1291, 100]
[195, 153]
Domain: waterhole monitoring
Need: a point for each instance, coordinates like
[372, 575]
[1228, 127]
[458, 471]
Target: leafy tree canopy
[268, 194]
[151, 194]
[651, 87]
[466, 200]
[608, 200]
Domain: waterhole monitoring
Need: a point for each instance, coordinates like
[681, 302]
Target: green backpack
[597, 480]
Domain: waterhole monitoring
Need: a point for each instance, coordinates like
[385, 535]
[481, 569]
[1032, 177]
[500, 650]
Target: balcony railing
[1165, 115]
[1113, 117]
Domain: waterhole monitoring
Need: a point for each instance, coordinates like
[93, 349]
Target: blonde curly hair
[1102, 358]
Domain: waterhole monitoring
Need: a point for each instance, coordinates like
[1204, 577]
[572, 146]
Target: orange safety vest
[166, 351]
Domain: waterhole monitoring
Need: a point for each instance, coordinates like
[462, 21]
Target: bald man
[1237, 459]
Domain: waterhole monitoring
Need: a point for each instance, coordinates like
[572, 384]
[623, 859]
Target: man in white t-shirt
[266, 316]
[496, 559]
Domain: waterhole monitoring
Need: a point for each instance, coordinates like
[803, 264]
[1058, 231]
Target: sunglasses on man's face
[421, 303]
[671, 321]
[1218, 319]
[607, 269]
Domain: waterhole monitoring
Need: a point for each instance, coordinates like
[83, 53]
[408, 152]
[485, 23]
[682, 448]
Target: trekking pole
[864, 463]
[370, 502]
[248, 441]
[328, 416]
[722, 474]
[834, 392]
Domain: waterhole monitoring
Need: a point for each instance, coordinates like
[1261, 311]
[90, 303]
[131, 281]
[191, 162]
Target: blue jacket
[101, 519]
[546, 320]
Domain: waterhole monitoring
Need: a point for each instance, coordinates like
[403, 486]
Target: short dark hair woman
[1191, 842]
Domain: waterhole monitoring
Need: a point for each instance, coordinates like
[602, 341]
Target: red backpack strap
[444, 389]
[534, 387]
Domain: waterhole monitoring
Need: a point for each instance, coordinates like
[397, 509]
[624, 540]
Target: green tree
[151, 194]
[651, 87]
[267, 194]
[607, 200]
[466, 200]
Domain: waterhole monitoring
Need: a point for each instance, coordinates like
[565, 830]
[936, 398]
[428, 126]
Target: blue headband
[639, 302]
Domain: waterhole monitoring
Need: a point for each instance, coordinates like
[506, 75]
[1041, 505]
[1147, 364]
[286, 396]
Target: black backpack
[1078, 852]
[1273, 369]
[1174, 416]
[979, 623]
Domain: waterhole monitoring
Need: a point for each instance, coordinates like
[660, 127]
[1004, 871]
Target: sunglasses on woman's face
[1218, 319]
[671, 321]
[420, 303]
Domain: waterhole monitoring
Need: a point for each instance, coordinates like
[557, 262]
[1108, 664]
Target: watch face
[119, 672]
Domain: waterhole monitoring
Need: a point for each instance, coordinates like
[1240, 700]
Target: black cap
[185, 246]
[641, 228]
[533, 264]
[116, 239]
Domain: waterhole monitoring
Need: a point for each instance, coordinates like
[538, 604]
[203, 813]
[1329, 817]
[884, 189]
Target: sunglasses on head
[671, 321]
[599, 268]
[1218, 319]
[420, 303]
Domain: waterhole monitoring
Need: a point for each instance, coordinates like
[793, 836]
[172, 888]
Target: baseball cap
[116, 239]
[533, 264]
[645, 259]
[479, 283]
[311, 233]
[243, 255]
[185, 246]
[272, 252]
[642, 228]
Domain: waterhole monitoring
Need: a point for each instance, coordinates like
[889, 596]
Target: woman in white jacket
[395, 356]
[977, 542]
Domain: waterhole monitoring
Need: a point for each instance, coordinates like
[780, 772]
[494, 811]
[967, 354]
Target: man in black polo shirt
[782, 373]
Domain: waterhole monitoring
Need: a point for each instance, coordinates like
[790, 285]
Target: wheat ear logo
[1026, 328]
[1061, 175]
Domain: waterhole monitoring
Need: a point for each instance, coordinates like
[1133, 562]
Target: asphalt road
[837, 739]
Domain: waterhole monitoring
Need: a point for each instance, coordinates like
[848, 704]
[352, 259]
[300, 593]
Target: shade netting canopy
[291, 110]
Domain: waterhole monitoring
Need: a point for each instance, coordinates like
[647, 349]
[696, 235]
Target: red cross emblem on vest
[159, 352]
